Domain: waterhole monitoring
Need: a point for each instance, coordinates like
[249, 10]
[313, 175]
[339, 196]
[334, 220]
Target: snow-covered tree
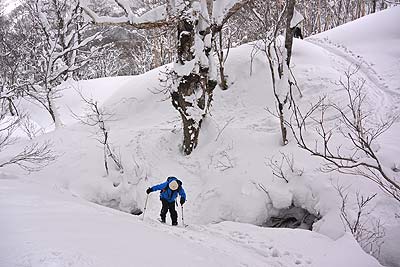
[60, 30]
[16, 57]
[45, 43]
[195, 76]
[276, 43]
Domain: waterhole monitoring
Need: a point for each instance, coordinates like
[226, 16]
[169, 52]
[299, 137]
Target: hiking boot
[162, 220]
[174, 223]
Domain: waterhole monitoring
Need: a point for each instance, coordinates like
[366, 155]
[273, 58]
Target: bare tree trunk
[383, 5]
[11, 107]
[319, 16]
[157, 54]
[289, 30]
[288, 45]
[282, 124]
[362, 8]
[338, 14]
[50, 107]
[105, 160]
[220, 53]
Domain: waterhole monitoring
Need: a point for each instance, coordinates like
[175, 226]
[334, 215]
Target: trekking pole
[145, 205]
[183, 221]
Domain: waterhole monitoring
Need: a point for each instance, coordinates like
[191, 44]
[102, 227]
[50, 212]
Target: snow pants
[166, 206]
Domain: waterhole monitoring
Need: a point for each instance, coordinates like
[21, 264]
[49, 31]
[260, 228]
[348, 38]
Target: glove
[182, 201]
[148, 191]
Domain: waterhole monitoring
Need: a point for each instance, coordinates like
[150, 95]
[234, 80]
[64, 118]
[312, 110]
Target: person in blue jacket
[169, 192]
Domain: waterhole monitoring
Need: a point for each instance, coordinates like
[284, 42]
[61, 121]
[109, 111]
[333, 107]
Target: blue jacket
[166, 193]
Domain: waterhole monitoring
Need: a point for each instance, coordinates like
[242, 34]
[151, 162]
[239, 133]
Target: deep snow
[44, 226]
[46, 220]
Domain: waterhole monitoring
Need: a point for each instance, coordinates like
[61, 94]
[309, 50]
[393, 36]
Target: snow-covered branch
[224, 9]
[154, 18]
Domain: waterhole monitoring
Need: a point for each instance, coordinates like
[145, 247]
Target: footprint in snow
[275, 253]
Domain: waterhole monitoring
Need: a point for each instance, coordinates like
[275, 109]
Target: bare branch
[223, 128]
[97, 116]
[358, 157]
[32, 158]
[366, 230]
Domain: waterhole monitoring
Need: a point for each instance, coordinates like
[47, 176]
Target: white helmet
[173, 185]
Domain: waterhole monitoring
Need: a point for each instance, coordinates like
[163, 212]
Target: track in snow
[249, 250]
[382, 99]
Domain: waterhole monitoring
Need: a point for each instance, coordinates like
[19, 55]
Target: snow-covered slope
[43, 225]
[372, 41]
[46, 227]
